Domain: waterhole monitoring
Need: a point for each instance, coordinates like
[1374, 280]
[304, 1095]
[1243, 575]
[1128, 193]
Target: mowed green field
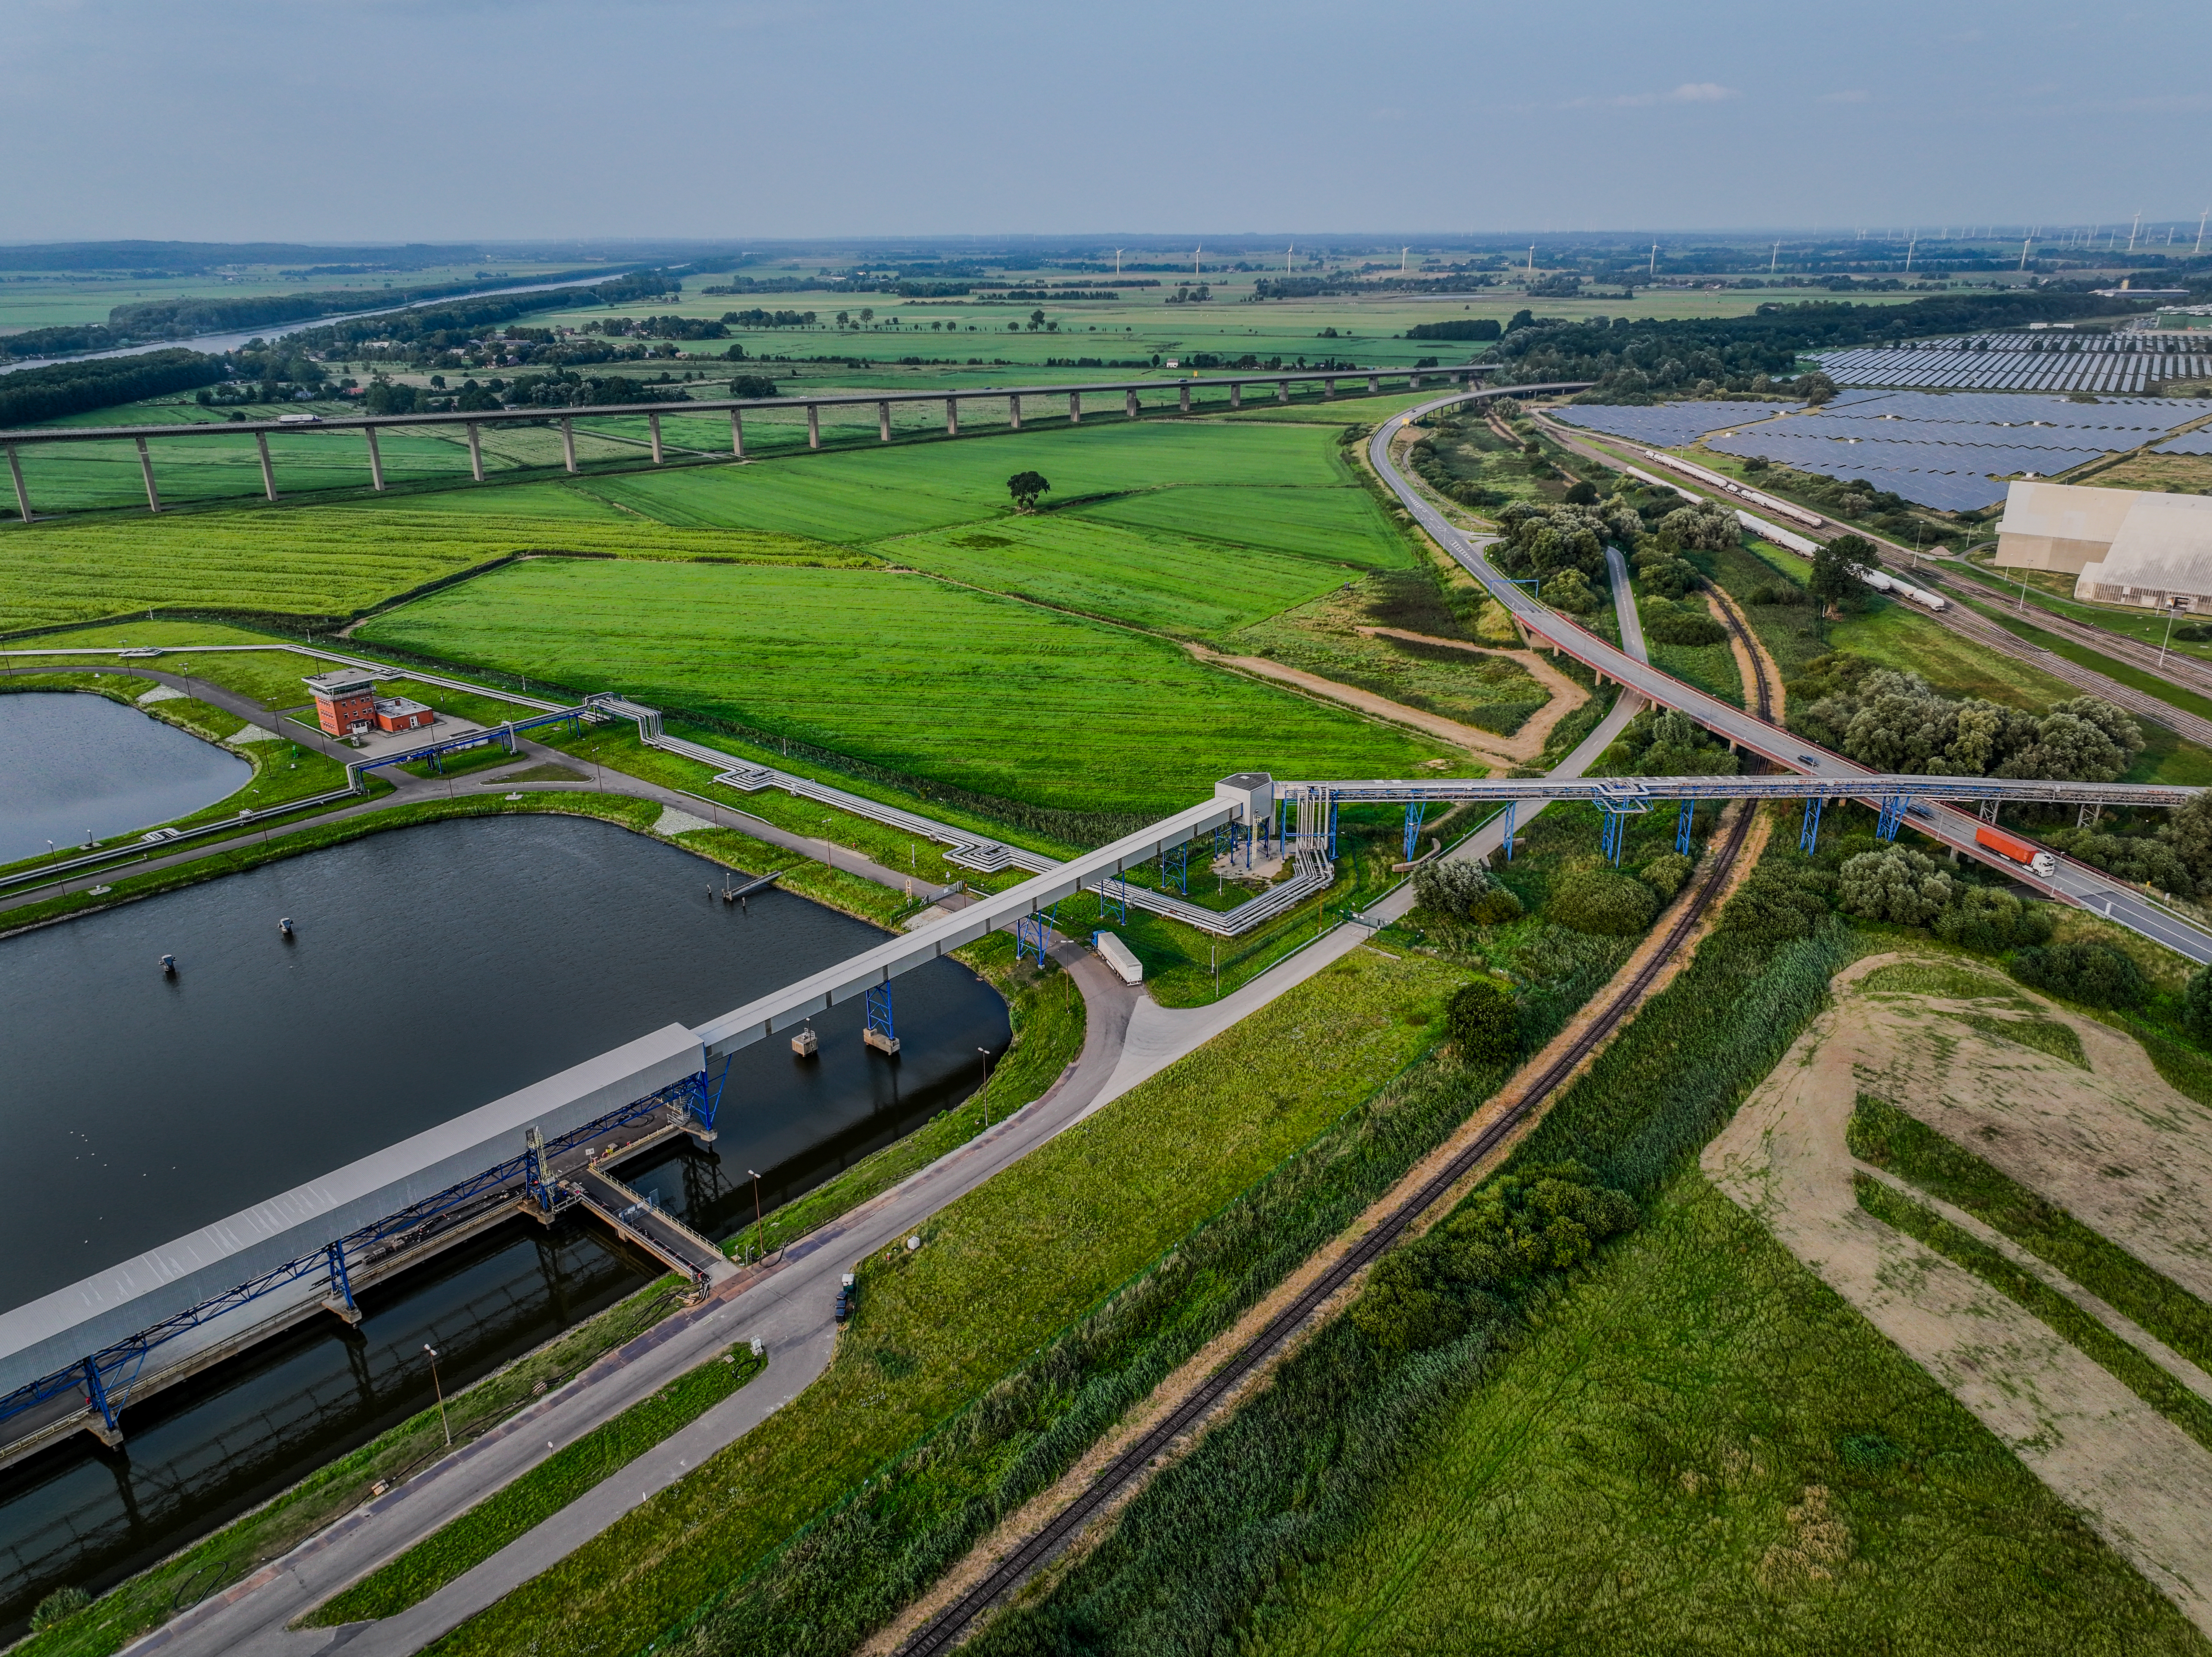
[316, 563]
[934, 680]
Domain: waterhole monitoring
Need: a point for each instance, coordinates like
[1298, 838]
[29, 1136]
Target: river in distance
[431, 969]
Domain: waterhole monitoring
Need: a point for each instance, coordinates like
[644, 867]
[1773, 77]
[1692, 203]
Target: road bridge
[2075, 882]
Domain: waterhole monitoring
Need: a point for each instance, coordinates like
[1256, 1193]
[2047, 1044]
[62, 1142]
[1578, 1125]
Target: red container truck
[2021, 852]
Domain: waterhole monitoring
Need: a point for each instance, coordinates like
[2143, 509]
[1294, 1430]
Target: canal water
[74, 767]
[432, 969]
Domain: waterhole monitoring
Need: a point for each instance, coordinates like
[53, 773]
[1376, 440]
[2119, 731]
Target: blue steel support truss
[1174, 864]
[1684, 825]
[1512, 810]
[1029, 934]
[879, 1011]
[1114, 900]
[1808, 836]
[1416, 808]
[103, 1379]
[1332, 827]
[1892, 816]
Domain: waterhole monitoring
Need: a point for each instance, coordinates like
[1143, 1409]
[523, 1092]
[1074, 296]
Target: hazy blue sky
[375, 119]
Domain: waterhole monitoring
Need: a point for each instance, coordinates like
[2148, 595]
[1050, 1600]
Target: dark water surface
[74, 765]
[435, 968]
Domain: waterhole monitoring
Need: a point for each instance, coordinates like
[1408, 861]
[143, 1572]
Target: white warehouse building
[2122, 546]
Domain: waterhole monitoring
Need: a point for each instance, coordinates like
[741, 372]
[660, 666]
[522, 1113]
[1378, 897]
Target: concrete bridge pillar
[653, 421]
[22, 494]
[1328, 387]
[1014, 411]
[1074, 410]
[1374, 385]
[1182, 397]
[376, 460]
[146, 470]
[952, 416]
[1282, 391]
[1236, 393]
[1129, 401]
[884, 422]
[813, 426]
[268, 472]
[736, 435]
[1413, 380]
[475, 453]
[568, 443]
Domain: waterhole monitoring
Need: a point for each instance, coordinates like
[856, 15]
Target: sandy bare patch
[1486, 744]
[2139, 1481]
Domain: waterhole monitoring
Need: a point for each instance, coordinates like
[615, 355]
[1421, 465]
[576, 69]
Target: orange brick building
[346, 705]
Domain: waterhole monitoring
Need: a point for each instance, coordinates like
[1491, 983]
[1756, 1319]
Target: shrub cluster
[2096, 974]
[1669, 744]
[1464, 891]
[1603, 901]
[1667, 623]
[1897, 722]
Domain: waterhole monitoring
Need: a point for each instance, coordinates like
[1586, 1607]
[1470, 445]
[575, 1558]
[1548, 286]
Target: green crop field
[907, 672]
[314, 563]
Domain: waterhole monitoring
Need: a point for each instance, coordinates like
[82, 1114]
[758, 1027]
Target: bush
[2196, 1004]
[62, 1602]
[1584, 494]
[1895, 885]
[1570, 590]
[1484, 1024]
[1671, 624]
[1666, 873]
[1603, 901]
[1464, 891]
[1989, 919]
[1775, 905]
[2094, 974]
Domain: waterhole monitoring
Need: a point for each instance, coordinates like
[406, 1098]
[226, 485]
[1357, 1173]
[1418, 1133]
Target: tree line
[30, 395]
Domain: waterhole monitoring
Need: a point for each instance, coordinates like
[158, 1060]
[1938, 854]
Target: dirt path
[1724, 605]
[1488, 744]
[1169, 1394]
[2139, 1481]
[1566, 696]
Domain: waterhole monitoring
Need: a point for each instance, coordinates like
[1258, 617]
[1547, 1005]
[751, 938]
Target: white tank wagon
[1729, 485]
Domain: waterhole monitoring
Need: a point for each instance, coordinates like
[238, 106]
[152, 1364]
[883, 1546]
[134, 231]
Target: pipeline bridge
[1131, 393]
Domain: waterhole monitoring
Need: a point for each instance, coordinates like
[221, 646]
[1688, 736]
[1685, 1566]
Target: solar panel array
[2043, 361]
[2019, 413]
[1668, 424]
[2189, 443]
[1953, 477]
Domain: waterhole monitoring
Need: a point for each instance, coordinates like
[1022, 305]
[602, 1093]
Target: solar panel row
[2017, 409]
[1820, 454]
[1666, 424]
[2070, 362]
[2188, 443]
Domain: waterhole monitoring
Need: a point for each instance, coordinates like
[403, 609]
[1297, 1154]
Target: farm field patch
[1344, 525]
[312, 562]
[933, 680]
[1150, 577]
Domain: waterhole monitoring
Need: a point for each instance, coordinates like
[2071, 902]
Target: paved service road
[2076, 882]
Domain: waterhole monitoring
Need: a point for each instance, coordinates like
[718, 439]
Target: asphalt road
[2076, 882]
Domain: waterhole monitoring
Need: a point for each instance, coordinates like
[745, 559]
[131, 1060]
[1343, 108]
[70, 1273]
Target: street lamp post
[439, 1388]
[986, 1051]
[760, 1234]
[2173, 606]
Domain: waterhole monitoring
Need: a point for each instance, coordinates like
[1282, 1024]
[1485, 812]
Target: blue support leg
[1684, 826]
[1415, 811]
[879, 1014]
[95, 1391]
[339, 1279]
[1332, 827]
[1808, 836]
[1510, 808]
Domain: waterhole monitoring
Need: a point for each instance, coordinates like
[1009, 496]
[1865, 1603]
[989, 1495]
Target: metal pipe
[375, 460]
[268, 473]
[146, 470]
[568, 443]
[475, 453]
[22, 494]
[654, 421]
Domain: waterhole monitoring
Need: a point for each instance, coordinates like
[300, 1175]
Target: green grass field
[1637, 1477]
[317, 562]
[907, 672]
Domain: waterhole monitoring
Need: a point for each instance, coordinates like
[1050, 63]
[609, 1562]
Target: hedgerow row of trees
[29, 395]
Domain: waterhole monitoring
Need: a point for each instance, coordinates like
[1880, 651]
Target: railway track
[945, 1630]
